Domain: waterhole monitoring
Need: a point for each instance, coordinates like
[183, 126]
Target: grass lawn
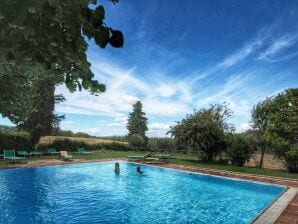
[178, 159]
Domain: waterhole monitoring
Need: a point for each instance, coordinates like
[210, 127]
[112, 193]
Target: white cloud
[124, 89]
[242, 53]
[113, 124]
[159, 129]
[276, 50]
[160, 126]
[244, 127]
[92, 131]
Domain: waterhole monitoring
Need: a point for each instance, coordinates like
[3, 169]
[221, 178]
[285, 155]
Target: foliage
[32, 106]
[239, 148]
[69, 133]
[281, 117]
[260, 123]
[66, 144]
[136, 140]
[51, 34]
[12, 139]
[161, 144]
[203, 131]
[291, 158]
[137, 124]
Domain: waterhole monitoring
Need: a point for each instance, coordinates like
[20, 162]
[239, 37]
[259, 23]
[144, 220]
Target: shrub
[291, 158]
[239, 148]
[136, 140]
[66, 144]
[160, 144]
[14, 140]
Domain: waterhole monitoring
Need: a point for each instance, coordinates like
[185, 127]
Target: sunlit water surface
[93, 193]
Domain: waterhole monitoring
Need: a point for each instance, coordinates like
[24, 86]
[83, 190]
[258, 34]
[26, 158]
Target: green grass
[180, 159]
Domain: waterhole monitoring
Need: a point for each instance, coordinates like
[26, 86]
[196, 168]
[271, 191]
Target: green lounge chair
[11, 154]
[23, 153]
[83, 151]
[142, 157]
[163, 156]
[34, 152]
[52, 151]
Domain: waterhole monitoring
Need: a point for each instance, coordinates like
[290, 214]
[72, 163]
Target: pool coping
[268, 215]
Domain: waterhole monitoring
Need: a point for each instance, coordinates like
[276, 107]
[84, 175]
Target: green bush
[291, 158]
[68, 145]
[14, 140]
[160, 144]
[136, 141]
[239, 148]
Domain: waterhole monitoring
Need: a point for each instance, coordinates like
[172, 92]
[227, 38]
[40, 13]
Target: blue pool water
[93, 193]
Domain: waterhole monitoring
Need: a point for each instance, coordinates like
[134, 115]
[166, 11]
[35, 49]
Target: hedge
[14, 140]
[68, 145]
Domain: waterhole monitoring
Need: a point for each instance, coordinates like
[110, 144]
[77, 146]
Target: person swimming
[117, 168]
[139, 170]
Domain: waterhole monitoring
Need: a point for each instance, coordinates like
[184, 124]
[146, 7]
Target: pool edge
[273, 211]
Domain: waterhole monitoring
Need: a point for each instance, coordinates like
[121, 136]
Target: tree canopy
[48, 36]
[31, 107]
[276, 120]
[51, 34]
[203, 131]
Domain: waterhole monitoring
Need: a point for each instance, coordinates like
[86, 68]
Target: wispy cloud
[280, 50]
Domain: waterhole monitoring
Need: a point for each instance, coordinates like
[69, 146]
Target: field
[51, 139]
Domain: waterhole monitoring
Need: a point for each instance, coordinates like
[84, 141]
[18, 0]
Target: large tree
[137, 126]
[281, 130]
[49, 35]
[32, 105]
[203, 131]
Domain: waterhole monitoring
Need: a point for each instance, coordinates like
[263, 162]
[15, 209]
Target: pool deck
[283, 211]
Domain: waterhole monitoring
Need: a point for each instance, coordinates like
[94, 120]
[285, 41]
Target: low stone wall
[270, 162]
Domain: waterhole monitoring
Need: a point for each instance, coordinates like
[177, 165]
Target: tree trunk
[263, 149]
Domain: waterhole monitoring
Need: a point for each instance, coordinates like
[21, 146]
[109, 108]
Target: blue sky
[184, 55]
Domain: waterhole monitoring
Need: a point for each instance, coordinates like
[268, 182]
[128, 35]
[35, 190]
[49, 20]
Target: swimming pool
[93, 193]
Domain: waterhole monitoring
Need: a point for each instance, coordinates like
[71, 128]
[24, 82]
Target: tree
[137, 123]
[32, 105]
[239, 148]
[51, 34]
[281, 129]
[260, 123]
[204, 130]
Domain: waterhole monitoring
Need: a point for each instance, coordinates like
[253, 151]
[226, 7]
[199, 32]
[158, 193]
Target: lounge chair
[52, 151]
[65, 156]
[139, 157]
[23, 153]
[34, 152]
[11, 154]
[83, 151]
[163, 156]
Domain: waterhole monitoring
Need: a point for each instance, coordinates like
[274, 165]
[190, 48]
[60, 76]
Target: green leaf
[100, 12]
[102, 37]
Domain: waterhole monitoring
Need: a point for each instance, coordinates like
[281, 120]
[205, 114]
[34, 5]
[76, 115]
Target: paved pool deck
[283, 211]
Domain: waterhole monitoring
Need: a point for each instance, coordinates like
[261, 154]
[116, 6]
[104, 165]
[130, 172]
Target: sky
[184, 55]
